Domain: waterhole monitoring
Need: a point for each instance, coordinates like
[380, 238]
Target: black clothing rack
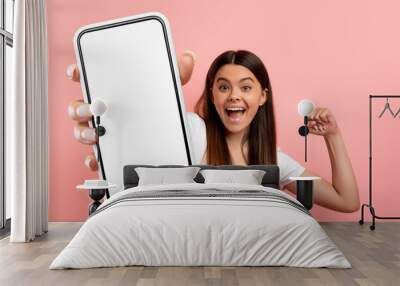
[369, 205]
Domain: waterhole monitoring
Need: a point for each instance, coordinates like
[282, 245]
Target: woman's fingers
[311, 124]
[91, 162]
[79, 110]
[84, 134]
[313, 115]
[73, 72]
[315, 124]
[186, 65]
[319, 114]
[317, 129]
[323, 115]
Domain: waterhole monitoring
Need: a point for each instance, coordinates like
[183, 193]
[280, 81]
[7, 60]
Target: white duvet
[180, 231]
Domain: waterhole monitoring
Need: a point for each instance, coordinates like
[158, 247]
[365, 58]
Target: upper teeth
[235, 108]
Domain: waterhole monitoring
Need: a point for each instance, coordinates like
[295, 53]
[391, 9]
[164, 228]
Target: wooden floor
[375, 256]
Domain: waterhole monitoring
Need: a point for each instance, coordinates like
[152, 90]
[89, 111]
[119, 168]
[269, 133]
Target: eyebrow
[243, 79]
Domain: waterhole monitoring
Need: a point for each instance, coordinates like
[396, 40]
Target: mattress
[201, 225]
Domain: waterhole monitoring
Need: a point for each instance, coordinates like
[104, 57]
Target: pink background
[335, 53]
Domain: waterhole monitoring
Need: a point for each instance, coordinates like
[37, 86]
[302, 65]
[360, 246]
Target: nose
[234, 95]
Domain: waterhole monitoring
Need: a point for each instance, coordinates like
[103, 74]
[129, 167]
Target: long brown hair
[262, 131]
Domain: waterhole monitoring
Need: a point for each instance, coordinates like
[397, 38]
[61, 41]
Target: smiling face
[237, 95]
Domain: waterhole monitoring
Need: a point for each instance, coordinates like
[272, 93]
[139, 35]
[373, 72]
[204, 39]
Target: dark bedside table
[96, 193]
[304, 190]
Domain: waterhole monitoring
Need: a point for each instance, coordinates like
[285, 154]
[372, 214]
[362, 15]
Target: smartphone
[130, 65]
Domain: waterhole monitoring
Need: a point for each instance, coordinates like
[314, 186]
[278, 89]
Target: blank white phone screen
[129, 67]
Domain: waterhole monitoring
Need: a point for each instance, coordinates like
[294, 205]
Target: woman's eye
[223, 87]
[246, 88]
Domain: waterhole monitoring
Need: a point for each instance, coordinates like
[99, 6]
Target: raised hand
[79, 111]
[322, 122]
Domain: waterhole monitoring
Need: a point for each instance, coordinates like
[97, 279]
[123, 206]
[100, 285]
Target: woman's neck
[237, 145]
[236, 139]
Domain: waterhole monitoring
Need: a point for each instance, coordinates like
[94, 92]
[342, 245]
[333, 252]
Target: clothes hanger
[398, 111]
[387, 107]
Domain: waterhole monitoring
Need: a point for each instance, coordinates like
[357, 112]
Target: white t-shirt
[288, 167]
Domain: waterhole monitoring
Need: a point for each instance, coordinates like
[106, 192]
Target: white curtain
[26, 123]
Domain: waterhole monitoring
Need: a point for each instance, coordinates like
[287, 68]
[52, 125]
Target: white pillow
[249, 177]
[162, 176]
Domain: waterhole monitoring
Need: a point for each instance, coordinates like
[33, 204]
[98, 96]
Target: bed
[201, 224]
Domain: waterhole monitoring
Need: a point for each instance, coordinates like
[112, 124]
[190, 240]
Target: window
[6, 45]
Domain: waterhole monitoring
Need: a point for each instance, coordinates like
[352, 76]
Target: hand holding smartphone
[130, 64]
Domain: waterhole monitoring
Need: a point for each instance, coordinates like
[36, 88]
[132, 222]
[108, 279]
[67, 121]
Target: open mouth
[235, 114]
